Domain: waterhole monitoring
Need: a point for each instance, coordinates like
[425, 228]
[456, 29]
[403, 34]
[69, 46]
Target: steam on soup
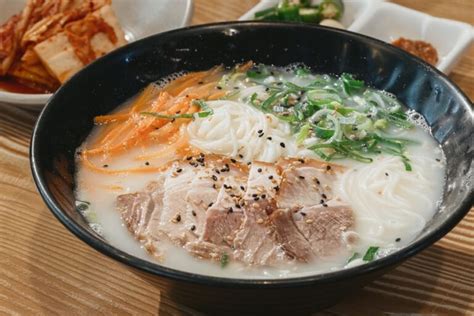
[258, 172]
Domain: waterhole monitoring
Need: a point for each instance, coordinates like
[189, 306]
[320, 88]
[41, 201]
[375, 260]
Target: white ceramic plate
[139, 18]
[387, 22]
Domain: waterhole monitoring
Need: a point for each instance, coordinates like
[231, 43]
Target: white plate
[387, 22]
[138, 19]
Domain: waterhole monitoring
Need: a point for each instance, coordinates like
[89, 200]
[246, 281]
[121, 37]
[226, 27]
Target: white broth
[390, 204]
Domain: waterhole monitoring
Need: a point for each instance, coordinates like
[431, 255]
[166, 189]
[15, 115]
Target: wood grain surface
[45, 270]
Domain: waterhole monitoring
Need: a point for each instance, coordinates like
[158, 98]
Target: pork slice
[136, 209]
[224, 217]
[255, 242]
[288, 235]
[306, 183]
[324, 226]
[173, 219]
[141, 213]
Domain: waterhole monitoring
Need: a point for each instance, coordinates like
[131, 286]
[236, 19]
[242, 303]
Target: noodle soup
[260, 172]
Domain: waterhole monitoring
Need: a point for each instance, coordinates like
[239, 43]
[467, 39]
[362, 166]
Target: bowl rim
[201, 279]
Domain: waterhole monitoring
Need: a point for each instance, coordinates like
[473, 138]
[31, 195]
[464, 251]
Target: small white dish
[138, 19]
[353, 10]
[387, 22]
[450, 38]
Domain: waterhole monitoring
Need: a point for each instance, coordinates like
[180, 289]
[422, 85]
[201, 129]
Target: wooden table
[45, 270]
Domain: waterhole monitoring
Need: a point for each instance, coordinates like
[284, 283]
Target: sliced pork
[262, 214]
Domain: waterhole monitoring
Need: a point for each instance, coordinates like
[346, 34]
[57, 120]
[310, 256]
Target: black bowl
[68, 118]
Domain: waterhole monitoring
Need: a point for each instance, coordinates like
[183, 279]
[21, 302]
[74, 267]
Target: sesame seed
[200, 82]
[309, 221]
[259, 169]
[249, 163]
[256, 198]
[324, 196]
[263, 196]
[214, 186]
[260, 131]
[147, 163]
[325, 205]
[303, 213]
[254, 195]
[260, 135]
[214, 177]
[328, 167]
[438, 160]
[242, 188]
[105, 166]
[219, 87]
[270, 177]
[178, 218]
[301, 177]
[386, 174]
[233, 160]
[321, 202]
[193, 212]
[269, 138]
[241, 156]
[276, 188]
[231, 210]
[398, 239]
[282, 145]
[179, 170]
[301, 160]
[193, 228]
[237, 205]
[189, 158]
[210, 204]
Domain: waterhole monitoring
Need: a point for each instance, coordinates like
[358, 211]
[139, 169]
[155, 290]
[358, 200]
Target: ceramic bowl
[67, 119]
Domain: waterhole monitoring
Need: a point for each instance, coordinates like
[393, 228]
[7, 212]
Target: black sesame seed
[270, 177]
[105, 166]
[231, 210]
[147, 163]
[259, 169]
[233, 160]
[219, 87]
[260, 131]
[189, 158]
[202, 155]
[303, 213]
[398, 239]
[193, 212]
[179, 170]
[236, 88]
[238, 206]
[263, 196]
[242, 188]
[324, 196]
[260, 135]
[214, 186]
[301, 177]
[210, 204]
[241, 156]
[256, 198]
[328, 167]
[200, 82]
[325, 205]
[193, 228]
[269, 138]
[301, 160]
[217, 171]
[321, 202]
[386, 174]
[282, 145]
[249, 163]
[267, 89]
[254, 195]
[214, 177]
[178, 218]
[276, 188]
[438, 160]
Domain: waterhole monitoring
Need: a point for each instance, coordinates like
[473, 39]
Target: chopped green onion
[354, 256]
[370, 254]
[224, 260]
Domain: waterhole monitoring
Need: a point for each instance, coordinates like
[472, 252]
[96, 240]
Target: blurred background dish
[137, 19]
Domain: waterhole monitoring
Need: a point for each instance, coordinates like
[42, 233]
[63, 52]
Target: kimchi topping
[421, 49]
